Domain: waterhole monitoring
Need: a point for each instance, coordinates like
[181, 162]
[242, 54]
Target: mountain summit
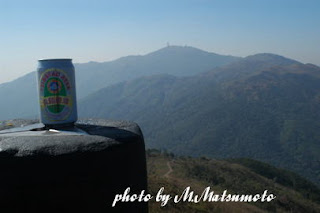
[271, 58]
[184, 50]
[252, 65]
[172, 60]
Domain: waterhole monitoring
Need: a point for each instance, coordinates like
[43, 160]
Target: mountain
[19, 97]
[252, 65]
[237, 176]
[174, 60]
[264, 107]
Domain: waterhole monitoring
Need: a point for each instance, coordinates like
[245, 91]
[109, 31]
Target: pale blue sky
[105, 30]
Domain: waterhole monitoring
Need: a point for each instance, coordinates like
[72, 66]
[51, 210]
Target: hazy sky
[105, 30]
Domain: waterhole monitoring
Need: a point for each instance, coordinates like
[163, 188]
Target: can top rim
[55, 59]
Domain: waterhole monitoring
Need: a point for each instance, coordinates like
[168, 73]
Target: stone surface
[75, 169]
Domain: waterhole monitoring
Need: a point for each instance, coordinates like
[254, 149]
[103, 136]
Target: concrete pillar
[76, 169]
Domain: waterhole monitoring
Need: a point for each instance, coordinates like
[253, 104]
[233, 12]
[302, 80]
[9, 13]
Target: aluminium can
[57, 92]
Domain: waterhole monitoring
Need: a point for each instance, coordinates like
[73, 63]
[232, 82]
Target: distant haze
[192, 102]
[102, 31]
[174, 60]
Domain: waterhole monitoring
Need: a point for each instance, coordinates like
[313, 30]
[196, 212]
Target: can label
[55, 94]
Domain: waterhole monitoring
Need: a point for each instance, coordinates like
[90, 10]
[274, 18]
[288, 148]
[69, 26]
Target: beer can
[57, 92]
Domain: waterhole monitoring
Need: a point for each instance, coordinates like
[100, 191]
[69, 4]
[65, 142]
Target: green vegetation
[242, 176]
[282, 177]
[264, 107]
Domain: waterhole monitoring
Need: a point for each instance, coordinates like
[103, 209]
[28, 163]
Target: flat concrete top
[90, 135]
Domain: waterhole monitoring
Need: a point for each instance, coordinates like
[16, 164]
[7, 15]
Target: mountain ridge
[250, 65]
[93, 76]
[273, 112]
[179, 61]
